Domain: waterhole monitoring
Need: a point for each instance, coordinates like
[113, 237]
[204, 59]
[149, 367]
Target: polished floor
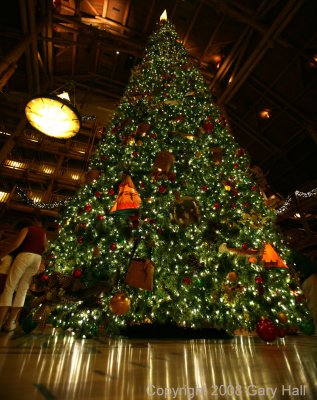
[48, 365]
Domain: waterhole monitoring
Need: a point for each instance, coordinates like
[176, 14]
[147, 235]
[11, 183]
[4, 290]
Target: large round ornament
[186, 211]
[266, 330]
[307, 327]
[120, 304]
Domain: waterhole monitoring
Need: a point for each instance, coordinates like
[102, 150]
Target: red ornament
[153, 136]
[204, 188]
[135, 154]
[246, 204]
[43, 278]
[142, 185]
[113, 246]
[88, 207]
[100, 217]
[208, 127]
[111, 191]
[98, 194]
[245, 246]
[266, 330]
[162, 189]
[77, 273]
[80, 211]
[258, 279]
[232, 205]
[216, 206]
[80, 240]
[235, 165]
[104, 158]
[254, 187]
[187, 280]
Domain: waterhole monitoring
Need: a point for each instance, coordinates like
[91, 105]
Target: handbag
[140, 272]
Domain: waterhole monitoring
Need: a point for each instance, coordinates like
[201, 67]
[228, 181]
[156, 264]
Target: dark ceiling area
[259, 59]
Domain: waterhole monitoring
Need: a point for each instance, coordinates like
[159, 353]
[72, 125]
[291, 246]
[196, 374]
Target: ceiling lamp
[53, 115]
[265, 114]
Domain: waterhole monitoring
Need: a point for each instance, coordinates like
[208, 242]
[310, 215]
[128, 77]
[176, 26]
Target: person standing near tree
[30, 244]
[308, 277]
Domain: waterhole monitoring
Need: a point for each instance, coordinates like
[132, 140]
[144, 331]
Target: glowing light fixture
[266, 113]
[4, 196]
[53, 115]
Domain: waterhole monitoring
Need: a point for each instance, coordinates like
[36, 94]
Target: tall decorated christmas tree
[173, 201]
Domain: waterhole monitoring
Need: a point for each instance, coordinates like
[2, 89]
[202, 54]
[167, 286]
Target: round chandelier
[53, 115]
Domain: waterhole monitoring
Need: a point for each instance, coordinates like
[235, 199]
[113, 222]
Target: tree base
[153, 331]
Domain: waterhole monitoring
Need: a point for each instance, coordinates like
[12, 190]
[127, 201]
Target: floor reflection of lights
[51, 365]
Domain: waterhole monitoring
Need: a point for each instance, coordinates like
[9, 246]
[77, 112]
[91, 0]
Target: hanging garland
[26, 199]
[301, 195]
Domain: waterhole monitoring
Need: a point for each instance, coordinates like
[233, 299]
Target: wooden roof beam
[279, 24]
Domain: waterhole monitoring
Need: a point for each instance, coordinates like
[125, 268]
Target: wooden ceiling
[255, 55]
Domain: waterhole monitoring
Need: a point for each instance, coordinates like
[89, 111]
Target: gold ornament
[96, 251]
[282, 318]
[120, 304]
[232, 276]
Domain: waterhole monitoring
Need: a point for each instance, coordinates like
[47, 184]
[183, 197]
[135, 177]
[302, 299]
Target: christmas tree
[172, 197]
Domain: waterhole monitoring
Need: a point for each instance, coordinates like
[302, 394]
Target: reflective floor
[51, 365]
